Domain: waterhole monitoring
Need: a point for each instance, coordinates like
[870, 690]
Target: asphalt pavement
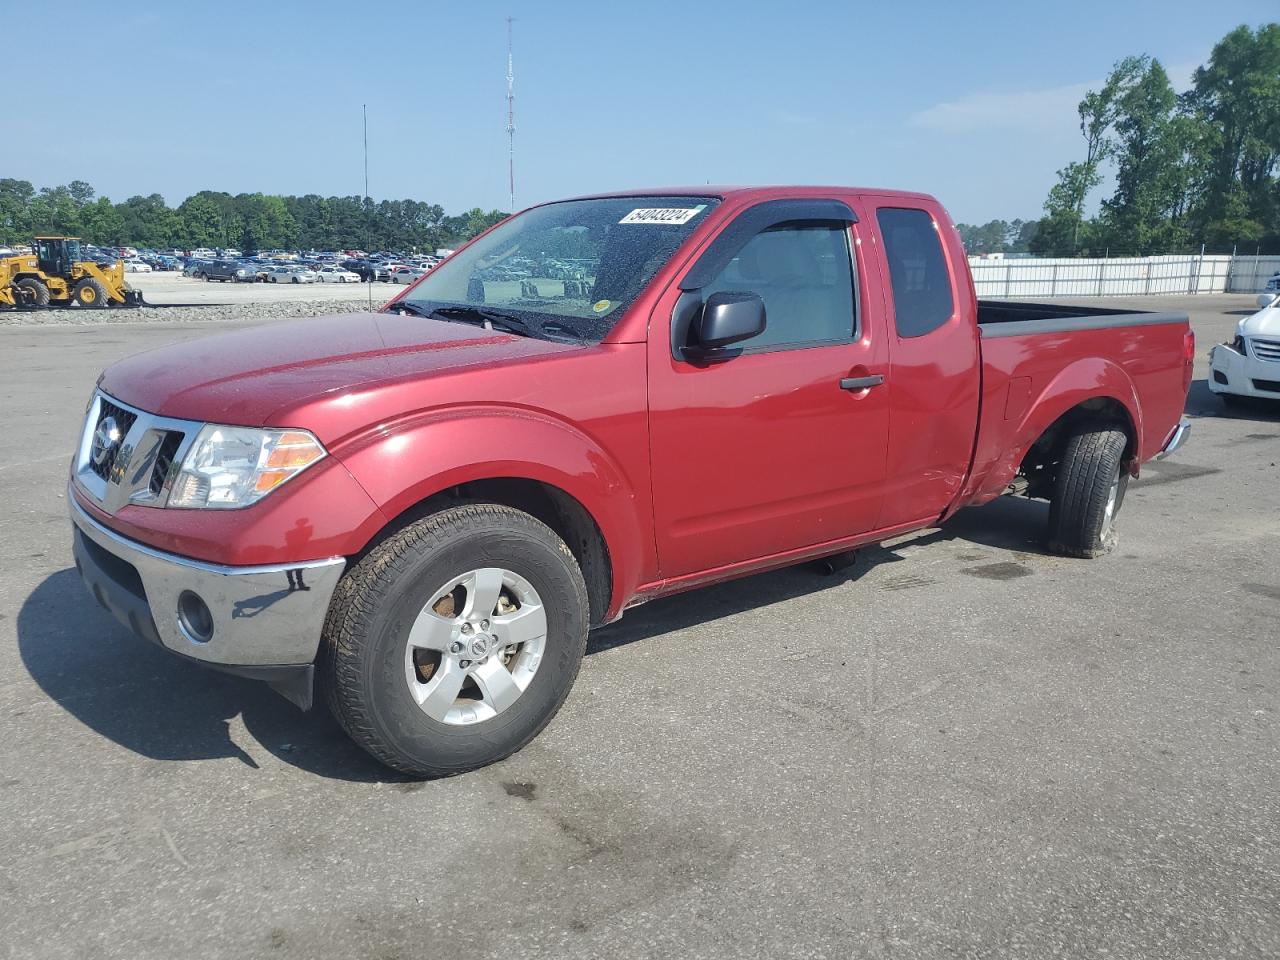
[959, 747]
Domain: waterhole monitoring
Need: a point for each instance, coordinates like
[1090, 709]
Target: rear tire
[37, 293]
[380, 690]
[1088, 492]
[91, 294]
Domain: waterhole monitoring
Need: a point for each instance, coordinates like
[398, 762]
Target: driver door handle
[862, 383]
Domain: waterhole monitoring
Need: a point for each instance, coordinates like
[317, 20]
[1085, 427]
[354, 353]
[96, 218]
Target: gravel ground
[187, 313]
[173, 298]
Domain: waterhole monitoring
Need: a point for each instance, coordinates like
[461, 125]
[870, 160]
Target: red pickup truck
[421, 511]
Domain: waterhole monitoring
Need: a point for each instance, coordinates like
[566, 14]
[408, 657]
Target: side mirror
[727, 318]
[1268, 299]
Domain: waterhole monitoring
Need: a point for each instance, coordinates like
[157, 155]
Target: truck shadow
[1203, 402]
[1007, 523]
[164, 708]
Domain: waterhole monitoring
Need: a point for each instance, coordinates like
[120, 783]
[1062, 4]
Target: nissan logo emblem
[105, 439]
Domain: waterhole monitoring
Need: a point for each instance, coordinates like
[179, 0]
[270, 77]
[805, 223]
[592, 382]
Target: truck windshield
[564, 269]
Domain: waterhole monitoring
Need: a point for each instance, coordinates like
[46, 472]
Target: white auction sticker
[663, 214]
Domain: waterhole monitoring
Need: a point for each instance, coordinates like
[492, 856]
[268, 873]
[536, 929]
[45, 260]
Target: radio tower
[511, 122]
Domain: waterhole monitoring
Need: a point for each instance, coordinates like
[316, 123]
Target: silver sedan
[291, 275]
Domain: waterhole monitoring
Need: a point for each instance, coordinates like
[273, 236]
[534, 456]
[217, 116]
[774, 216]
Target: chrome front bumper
[1176, 439]
[262, 621]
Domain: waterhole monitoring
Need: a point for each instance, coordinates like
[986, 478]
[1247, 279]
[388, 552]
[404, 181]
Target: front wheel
[90, 293]
[454, 642]
[1088, 492]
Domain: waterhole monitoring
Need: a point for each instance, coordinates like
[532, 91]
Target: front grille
[124, 421]
[164, 460]
[1271, 386]
[1266, 349]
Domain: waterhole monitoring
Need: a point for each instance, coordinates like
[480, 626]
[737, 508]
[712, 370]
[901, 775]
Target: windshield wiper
[490, 319]
[409, 307]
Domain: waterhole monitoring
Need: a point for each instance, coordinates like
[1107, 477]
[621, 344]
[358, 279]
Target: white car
[136, 266]
[291, 275]
[336, 275]
[407, 274]
[1249, 366]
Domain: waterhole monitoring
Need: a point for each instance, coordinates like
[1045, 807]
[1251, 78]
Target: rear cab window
[921, 280]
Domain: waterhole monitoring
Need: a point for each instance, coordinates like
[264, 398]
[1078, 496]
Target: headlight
[229, 467]
[1239, 347]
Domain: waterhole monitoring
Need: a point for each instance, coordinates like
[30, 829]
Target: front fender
[402, 464]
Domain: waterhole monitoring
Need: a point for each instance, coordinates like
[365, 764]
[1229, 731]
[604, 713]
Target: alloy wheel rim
[475, 646]
[1109, 511]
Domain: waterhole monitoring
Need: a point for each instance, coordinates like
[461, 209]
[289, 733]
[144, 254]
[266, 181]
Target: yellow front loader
[56, 274]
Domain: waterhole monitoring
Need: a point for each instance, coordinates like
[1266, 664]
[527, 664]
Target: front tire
[91, 293]
[1088, 492]
[453, 643]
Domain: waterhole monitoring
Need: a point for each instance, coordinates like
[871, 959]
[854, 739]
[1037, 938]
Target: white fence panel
[1250, 274]
[1121, 276]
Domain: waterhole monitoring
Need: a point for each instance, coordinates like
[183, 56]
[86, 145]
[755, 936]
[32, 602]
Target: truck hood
[245, 376]
[1264, 323]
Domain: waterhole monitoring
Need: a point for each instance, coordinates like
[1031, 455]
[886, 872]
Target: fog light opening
[194, 617]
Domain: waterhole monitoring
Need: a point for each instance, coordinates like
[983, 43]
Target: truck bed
[1007, 318]
[1028, 349]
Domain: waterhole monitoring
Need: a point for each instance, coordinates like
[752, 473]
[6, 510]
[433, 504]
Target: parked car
[261, 269]
[193, 267]
[1249, 366]
[227, 270]
[421, 511]
[364, 269]
[407, 274]
[291, 274]
[133, 265]
[336, 275]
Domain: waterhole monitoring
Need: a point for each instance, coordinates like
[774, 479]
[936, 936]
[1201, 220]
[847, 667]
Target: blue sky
[972, 102]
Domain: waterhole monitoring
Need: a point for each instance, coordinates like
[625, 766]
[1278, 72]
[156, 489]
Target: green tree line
[249, 221]
[1190, 168]
[998, 236]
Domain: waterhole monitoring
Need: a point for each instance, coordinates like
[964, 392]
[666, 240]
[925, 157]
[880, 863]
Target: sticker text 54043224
[675, 215]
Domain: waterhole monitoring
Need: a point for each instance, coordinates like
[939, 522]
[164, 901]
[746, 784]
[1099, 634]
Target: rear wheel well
[1040, 465]
[558, 510]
